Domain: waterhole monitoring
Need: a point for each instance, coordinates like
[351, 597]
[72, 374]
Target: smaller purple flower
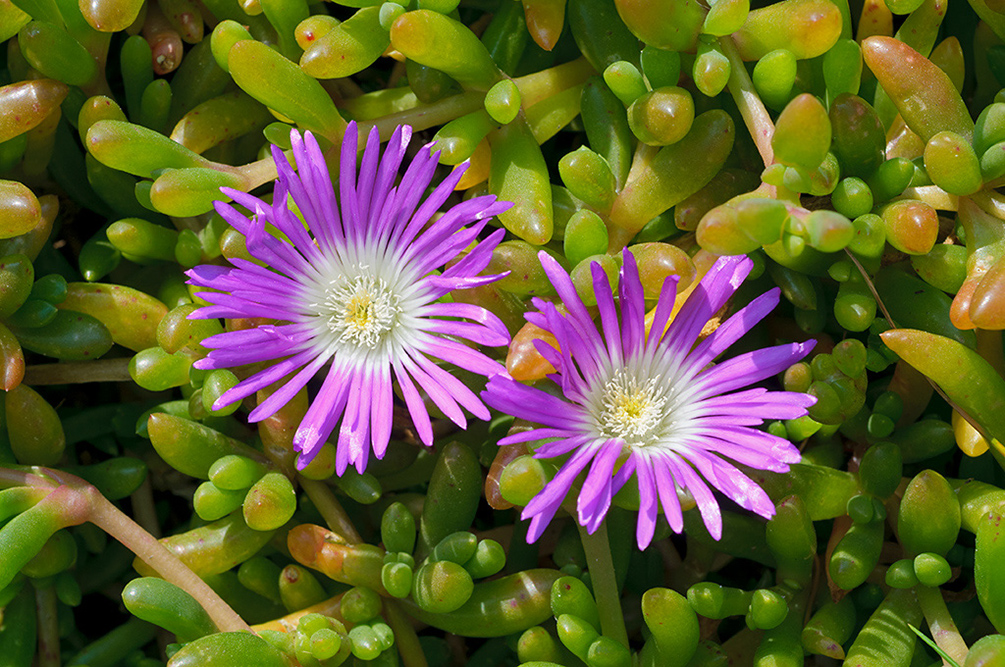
[651, 405]
[355, 287]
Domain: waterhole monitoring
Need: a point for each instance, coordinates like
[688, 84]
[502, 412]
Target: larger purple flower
[650, 404]
[355, 289]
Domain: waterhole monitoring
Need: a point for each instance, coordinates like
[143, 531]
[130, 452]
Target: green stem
[540, 85]
[533, 88]
[80, 502]
[142, 500]
[10, 477]
[108, 517]
[755, 116]
[331, 510]
[48, 627]
[990, 202]
[74, 372]
[425, 116]
[131, 636]
[605, 585]
[336, 518]
[259, 172]
[620, 235]
[944, 630]
[407, 641]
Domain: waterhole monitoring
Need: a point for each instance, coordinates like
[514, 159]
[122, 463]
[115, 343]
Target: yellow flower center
[632, 410]
[362, 309]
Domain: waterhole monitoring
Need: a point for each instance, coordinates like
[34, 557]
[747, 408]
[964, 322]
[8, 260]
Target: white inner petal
[646, 403]
[364, 308]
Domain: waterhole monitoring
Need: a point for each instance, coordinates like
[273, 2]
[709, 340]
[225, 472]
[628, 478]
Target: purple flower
[354, 287]
[651, 404]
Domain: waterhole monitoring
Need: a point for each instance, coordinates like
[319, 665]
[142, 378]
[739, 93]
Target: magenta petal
[734, 484]
[666, 484]
[205, 275]
[367, 173]
[719, 421]
[353, 417]
[282, 396]
[552, 356]
[462, 356]
[242, 307]
[229, 212]
[290, 225]
[449, 232]
[579, 317]
[411, 188]
[476, 333]
[648, 497]
[471, 312]
[707, 504]
[327, 227]
[230, 356]
[564, 445]
[390, 163]
[664, 308]
[532, 435]
[443, 285]
[347, 182]
[720, 283]
[277, 254]
[416, 408]
[325, 426]
[288, 181]
[624, 473]
[546, 503]
[608, 314]
[732, 329]
[382, 410]
[751, 367]
[358, 420]
[457, 389]
[507, 395]
[437, 394]
[238, 351]
[263, 378]
[748, 456]
[597, 490]
[633, 306]
[776, 405]
[769, 451]
[323, 413]
[598, 482]
[213, 312]
[432, 203]
[588, 358]
[290, 334]
[248, 273]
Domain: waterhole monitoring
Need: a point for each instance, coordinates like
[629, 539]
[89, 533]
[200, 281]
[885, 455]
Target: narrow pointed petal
[382, 410]
[708, 506]
[416, 408]
[648, 497]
